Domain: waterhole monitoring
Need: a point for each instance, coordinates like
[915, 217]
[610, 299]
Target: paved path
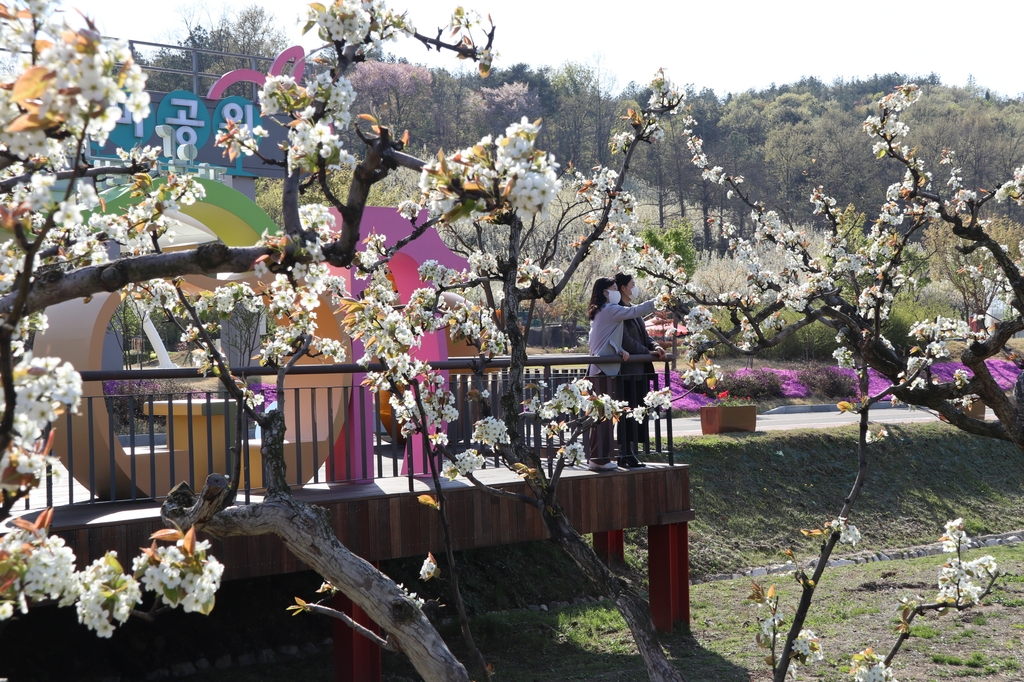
[780, 421]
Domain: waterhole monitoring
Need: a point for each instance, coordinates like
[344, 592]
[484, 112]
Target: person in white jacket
[606, 326]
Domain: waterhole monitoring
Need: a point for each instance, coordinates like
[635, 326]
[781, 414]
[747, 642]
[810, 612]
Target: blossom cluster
[357, 22]
[390, 336]
[933, 336]
[475, 324]
[653, 401]
[465, 462]
[490, 431]
[494, 173]
[462, 23]
[181, 574]
[529, 272]
[1013, 190]
[886, 125]
[430, 569]
[44, 388]
[432, 272]
[868, 666]
[807, 648]
[963, 582]
[66, 81]
[318, 110]
[665, 100]
[602, 190]
[299, 305]
[105, 595]
[848, 533]
[577, 400]
[34, 566]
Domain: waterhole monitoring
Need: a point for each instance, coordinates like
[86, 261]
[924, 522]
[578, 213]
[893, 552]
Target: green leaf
[207, 608]
[113, 562]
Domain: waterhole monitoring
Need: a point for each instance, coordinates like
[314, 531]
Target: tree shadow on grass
[579, 642]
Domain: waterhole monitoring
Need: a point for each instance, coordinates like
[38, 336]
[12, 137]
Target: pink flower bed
[1003, 371]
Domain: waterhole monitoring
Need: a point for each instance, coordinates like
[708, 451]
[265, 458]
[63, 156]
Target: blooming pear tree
[961, 585]
[490, 200]
[69, 90]
[850, 285]
[494, 201]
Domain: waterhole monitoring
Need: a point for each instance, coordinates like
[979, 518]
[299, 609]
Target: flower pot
[975, 411]
[725, 419]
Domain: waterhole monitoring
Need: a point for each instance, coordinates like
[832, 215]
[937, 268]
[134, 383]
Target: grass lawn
[854, 609]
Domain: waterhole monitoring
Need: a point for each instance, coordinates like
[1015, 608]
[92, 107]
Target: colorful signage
[185, 128]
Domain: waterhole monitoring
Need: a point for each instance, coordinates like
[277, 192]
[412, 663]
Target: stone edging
[188, 669]
[1008, 538]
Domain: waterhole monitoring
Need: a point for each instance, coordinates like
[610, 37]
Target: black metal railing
[137, 433]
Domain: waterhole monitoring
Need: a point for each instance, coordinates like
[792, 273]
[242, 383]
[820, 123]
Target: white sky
[729, 46]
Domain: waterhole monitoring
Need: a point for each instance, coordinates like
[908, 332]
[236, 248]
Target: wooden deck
[384, 520]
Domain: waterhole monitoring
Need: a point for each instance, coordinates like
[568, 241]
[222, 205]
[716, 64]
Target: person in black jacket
[635, 378]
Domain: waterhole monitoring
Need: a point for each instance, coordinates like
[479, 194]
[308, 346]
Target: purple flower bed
[269, 393]
[1003, 371]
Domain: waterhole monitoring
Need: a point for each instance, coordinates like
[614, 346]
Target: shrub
[126, 400]
[813, 342]
[829, 382]
[758, 384]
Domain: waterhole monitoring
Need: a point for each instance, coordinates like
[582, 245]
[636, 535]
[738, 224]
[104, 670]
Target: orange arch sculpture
[77, 333]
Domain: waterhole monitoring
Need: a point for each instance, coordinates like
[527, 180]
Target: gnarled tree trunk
[635, 611]
[306, 531]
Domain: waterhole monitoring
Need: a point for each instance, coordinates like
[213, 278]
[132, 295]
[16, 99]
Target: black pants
[602, 434]
[633, 388]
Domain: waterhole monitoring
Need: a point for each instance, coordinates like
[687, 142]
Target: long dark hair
[597, 298]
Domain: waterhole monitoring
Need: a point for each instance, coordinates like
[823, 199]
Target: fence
[182, 67]
[134, 437]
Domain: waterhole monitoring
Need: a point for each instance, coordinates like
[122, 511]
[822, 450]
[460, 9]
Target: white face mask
[613, 296]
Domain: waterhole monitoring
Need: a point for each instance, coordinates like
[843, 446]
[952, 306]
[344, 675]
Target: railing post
[668, 425]
[547, 396]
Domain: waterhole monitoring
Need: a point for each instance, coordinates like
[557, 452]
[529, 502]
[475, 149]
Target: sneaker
[630, 462]
[598, 465]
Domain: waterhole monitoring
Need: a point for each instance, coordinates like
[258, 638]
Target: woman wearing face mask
[634, 378]
[606, 329]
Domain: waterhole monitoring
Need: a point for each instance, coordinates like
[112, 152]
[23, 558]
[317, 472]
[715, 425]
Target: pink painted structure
[405, 270]
[295, 52]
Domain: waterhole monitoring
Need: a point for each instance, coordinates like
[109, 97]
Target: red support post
[356, 658]
[610, 544]
[668, 560]
[682, 569]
